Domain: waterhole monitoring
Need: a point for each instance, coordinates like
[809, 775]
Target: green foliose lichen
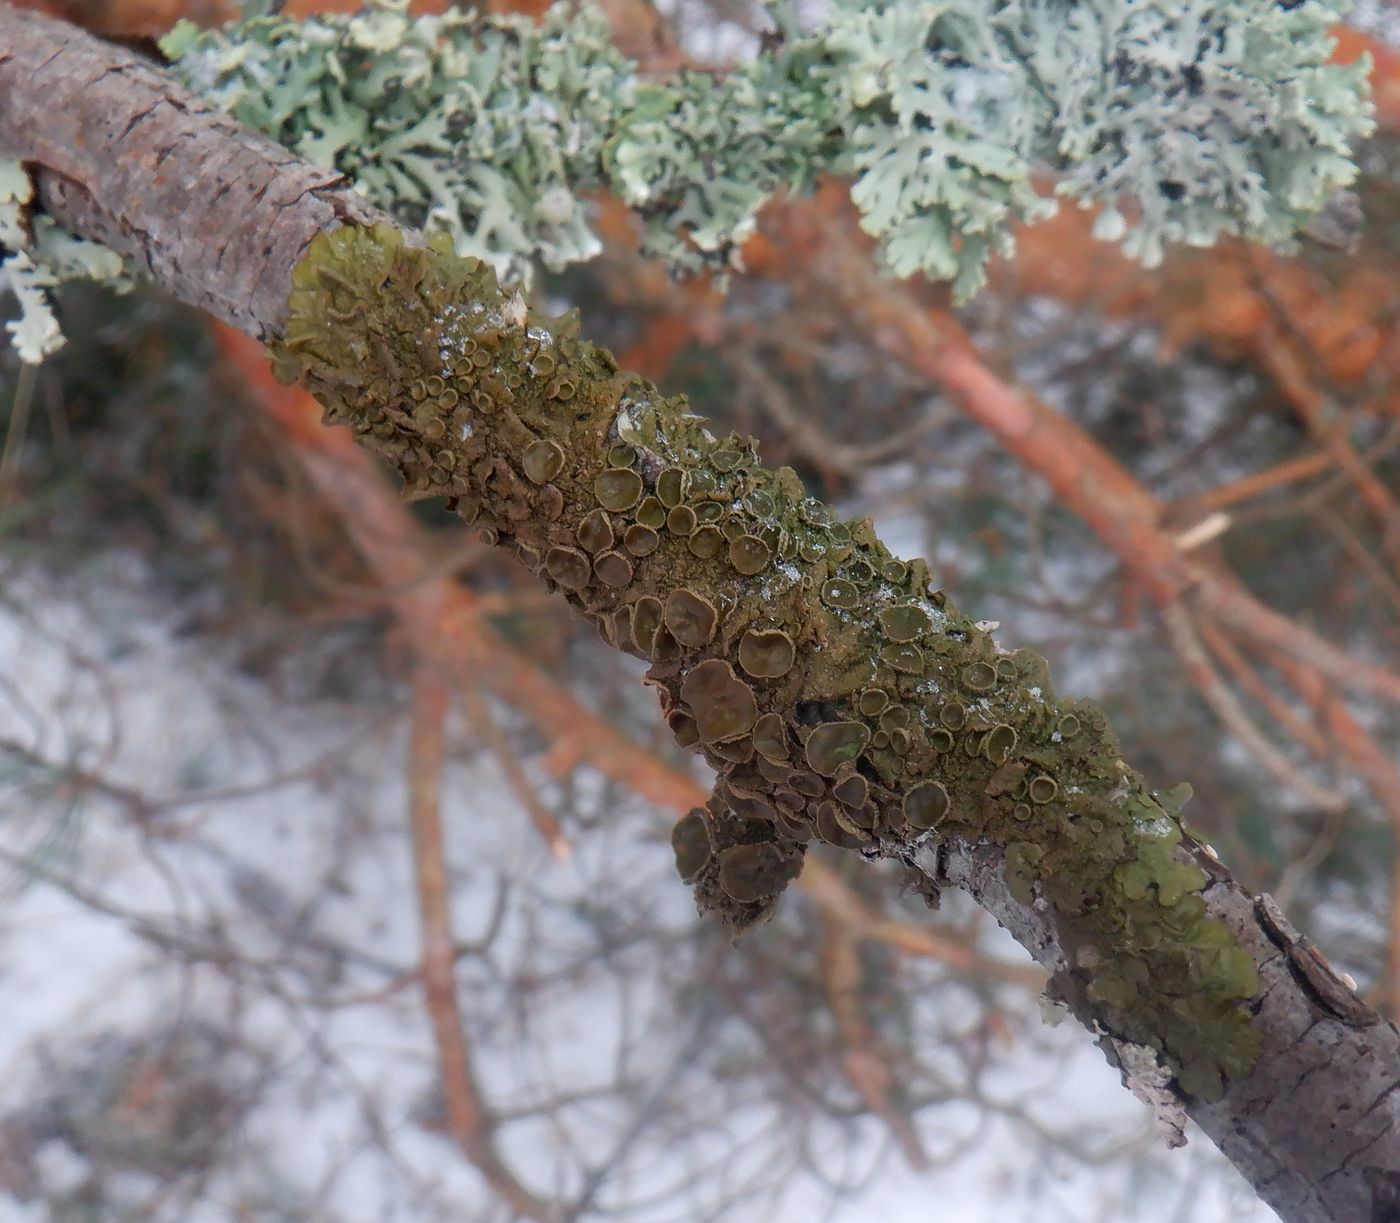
[1216, 117]
[837, 693]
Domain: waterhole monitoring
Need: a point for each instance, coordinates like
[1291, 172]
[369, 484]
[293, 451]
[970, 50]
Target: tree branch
[448, 623]
[834, 691]
[215, 213]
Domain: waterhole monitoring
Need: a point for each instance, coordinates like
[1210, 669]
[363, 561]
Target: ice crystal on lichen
[836, 692]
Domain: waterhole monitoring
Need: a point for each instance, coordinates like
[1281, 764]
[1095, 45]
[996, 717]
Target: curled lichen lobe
[837, 693]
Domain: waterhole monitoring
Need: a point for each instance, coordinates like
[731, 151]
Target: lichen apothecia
[836, 692]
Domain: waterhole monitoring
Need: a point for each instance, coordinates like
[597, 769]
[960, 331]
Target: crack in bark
[1389, 1090]
[139, 118]
[1344, 1167]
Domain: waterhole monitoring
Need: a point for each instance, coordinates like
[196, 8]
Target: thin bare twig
[468, 1121]
[1248, 678]
[1181, 633]
[485, 725]
[15, 430]
[863, 1059]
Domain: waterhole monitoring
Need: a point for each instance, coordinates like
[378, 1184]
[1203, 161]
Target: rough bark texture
[1313, 1127]
[215, 213]
[780, 643]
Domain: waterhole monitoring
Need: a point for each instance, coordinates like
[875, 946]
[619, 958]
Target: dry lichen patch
[834, 689]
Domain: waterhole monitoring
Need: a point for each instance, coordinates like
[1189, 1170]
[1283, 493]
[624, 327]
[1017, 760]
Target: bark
[1313, 1128]
[775, 644]
[214, 213]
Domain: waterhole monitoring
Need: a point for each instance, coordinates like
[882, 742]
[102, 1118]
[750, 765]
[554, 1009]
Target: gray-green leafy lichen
[1213, 116]
[837, 693]
[483, 127]
[1206, 116]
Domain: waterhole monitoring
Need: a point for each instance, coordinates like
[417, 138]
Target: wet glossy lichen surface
[839, 696]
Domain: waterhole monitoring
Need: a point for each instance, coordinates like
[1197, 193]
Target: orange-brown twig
[863, 1059]
[1258, 482]
[468, 1120]
[1311, 404]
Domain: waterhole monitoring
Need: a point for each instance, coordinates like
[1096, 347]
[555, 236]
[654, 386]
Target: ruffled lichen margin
[837, 693]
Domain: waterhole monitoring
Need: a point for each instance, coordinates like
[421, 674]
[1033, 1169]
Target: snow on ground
[278, 927]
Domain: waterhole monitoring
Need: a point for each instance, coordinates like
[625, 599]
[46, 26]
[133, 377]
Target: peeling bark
[221, 217]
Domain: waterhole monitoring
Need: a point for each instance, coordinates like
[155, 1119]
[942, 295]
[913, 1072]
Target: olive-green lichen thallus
[837, 694]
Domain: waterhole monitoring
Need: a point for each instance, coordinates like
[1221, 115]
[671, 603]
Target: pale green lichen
[1213, 117]
[42, 255]
[482, 127]
[835, 691]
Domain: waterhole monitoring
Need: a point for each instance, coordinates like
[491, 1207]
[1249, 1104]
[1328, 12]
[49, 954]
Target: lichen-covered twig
[449, 623]
[835, 691]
